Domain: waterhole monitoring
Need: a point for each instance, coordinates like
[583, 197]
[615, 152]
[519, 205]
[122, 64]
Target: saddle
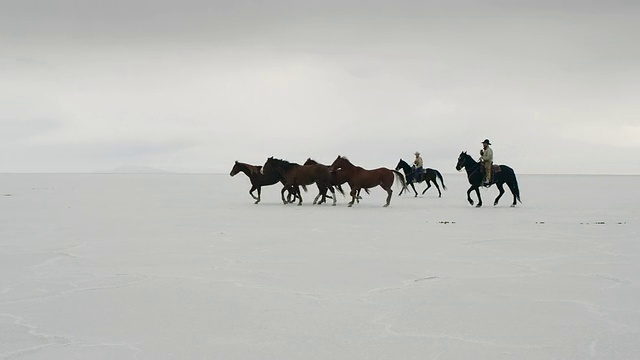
[494, 170]
[417, 174]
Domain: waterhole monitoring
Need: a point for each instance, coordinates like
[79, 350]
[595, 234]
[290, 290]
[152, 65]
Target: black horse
[428, 175]
[258, 179]
[475, 173]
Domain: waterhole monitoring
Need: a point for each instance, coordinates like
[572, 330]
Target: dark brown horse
[429, 176]
[502, 174]
[296, 175]
[337, 178]
[257, 178]
[359, 178]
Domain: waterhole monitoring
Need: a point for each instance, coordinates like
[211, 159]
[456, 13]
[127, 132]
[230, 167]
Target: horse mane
[470, 158]
[467, 155]
[248, 167]
[283, 163]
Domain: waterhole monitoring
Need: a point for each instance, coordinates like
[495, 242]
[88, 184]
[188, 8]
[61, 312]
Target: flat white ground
[187, 267]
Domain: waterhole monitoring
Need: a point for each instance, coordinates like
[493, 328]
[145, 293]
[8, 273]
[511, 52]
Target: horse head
[235, 169]
[238, 167]
[403, 165]
[268, 166]
[338, 163]
[310, 161]
[463, 158]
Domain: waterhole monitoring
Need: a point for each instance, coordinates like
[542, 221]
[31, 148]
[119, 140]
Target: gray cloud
[242, 80]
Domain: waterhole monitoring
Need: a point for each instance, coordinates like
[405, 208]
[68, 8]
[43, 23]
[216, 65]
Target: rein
[474, 169]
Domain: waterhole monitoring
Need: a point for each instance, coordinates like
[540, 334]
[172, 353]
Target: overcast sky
[191, 86]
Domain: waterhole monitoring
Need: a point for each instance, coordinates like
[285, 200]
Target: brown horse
[337, 179]
[296, 175]
[257, 178]
[359, 178]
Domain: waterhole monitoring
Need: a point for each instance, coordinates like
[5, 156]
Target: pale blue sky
[191, 86]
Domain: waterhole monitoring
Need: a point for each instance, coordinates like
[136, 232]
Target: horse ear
[236, 161]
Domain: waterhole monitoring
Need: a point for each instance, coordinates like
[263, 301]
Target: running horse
[475, 174]
[359, 178]
[296, 176]
[429, 175]
[337, 178]
[257, 178]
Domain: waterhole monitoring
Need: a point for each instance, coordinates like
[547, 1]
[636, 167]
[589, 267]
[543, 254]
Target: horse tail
[401, 178]
[340, 189]
[444, 187]
[514, 186]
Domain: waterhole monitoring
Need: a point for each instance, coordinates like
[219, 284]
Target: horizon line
[225, 173]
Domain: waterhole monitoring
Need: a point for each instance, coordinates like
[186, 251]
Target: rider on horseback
[486, 159]
[417, 167]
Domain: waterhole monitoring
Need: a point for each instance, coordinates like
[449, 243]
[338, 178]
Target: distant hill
[136, 169]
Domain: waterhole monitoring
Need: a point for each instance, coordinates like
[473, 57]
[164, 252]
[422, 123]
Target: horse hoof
[385, 205]
[257, 201]
[495, 203]
[479, 205]
[513, 205]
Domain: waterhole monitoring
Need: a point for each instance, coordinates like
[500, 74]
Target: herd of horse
[329, 178]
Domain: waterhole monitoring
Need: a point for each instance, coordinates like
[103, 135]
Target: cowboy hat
[416, 153]
[486, 141]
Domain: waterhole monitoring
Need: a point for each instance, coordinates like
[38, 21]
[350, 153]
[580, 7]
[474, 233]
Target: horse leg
[479, 198]
[428, 186]
[354, 196]
[501, 189]
[258, 198]
[315, 201]
[437, 187]
[253, 188]
[320, 193]
[285, 188]
[389, 192]
[299, 195]
[333, 195]
[469, 199]
[296, 194]
[414, 190]
[325, 196]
